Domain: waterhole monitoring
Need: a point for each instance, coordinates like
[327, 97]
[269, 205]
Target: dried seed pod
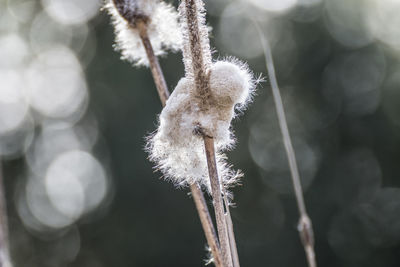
[134, 10]
[176, 147]
[162, 25]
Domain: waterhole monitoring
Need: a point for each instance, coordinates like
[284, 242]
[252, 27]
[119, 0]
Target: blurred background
[73, 118]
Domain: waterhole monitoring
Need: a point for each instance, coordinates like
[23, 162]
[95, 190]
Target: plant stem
[196, 50]
[206, 223]
[155, 68]
[201, 80]
[217, 200]
[4, 246]
[197, 194]
[305, 225]
[231, 234]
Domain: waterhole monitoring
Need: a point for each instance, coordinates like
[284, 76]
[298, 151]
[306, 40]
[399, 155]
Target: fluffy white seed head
[231, 83]
[176, 148]
[162, 27]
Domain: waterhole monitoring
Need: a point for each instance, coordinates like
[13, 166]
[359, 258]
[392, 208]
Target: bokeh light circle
[273, 5]
[72, 11]
[75, 176]
[56, 86]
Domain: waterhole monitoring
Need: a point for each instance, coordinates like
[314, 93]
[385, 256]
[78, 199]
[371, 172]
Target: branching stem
[305, 225]
[197, 194]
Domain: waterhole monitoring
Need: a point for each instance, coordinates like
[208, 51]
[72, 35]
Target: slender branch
[307, 238]
[206, 223]
[4, 246]
[217, 200]
[155, 68]
[231, 234]
[196, 50]
[201, 79]
[197, 194]
[305, 225]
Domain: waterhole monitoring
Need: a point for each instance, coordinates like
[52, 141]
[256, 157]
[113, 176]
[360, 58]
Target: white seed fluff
[176, 148]
[163, 29]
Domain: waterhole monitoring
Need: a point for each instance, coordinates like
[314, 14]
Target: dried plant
[161, 22]
[200, 110]
[177, 147]
[305, 224]
[138, 25]
[195, 124]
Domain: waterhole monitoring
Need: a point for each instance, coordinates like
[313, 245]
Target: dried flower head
[161, 21]
[203, 104]
[177, 148]
[134, 10]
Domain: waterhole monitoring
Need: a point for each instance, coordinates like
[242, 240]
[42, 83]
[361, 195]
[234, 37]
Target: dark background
[337, 63]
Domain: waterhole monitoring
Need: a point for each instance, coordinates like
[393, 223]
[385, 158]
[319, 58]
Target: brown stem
[305, 225]
[231, 233]
[197, 194]
[155, 68]
[307, 239]
[217, 200]
[196, 50]
[201, 80]
[207, 223]
[4, 247]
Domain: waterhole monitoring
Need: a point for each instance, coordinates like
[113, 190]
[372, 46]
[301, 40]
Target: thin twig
[231, 233]
[197, 194]
[155, 68]
[305, 225]
[206, 223]
[4, 246]
[201, 79]
[217, 200]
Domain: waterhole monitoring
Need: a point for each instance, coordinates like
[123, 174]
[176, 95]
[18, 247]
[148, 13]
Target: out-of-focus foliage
[81, 192]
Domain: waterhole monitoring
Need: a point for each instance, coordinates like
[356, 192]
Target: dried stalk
[305, 225]
[231, 234]
[196, 51]
[197, 194]
[155, 68]
[207, 224]
[217, 200]
[4, 246]
[201, 79]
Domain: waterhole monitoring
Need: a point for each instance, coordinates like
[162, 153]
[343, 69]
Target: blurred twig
[197, 194]
[305, 225]
[4, 246]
